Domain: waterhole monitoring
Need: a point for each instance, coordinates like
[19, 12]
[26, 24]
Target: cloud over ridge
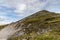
[17, 9]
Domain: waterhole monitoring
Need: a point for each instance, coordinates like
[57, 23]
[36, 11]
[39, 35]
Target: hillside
[42, 25]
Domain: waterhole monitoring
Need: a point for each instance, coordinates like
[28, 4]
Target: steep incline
[32, 26]
[40, 23]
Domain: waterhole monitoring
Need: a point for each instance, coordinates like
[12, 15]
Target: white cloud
[26, 7]
[22, 5]
[27, 4]
[3, 20]
[20, 8]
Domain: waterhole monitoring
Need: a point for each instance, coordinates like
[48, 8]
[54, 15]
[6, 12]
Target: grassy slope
[41, 20]
[2, 26]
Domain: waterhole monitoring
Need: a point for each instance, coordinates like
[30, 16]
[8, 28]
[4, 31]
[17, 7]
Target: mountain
[42, 25]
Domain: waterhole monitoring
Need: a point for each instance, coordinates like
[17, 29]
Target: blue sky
[14, 10]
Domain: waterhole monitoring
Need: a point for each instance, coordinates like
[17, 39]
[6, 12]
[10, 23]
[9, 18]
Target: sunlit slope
[43, 25]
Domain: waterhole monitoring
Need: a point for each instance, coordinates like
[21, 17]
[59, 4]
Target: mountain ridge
[39, 23]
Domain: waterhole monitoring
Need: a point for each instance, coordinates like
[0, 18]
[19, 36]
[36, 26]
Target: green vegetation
[44, 26]
[33, 36]
[2, 26]
[48, 21]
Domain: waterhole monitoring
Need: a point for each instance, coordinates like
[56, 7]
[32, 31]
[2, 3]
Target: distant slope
[38, 25]
[2, 26]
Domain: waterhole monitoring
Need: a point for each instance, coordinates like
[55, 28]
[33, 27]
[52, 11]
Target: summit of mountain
[38, 23]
